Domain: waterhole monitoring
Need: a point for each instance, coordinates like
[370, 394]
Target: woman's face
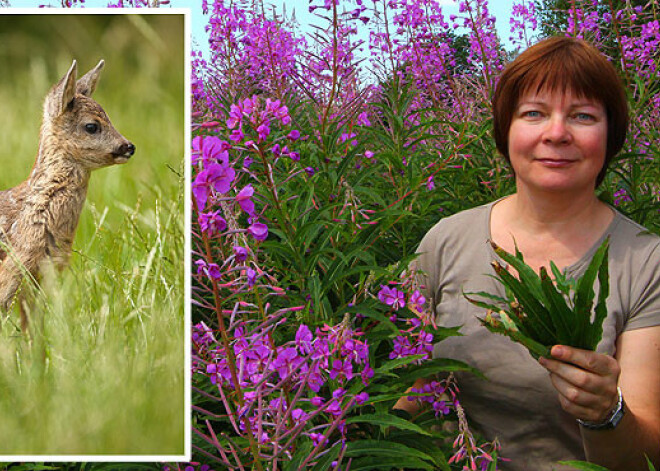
[557, 142]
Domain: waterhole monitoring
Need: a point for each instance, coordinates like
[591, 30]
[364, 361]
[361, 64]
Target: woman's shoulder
[460, 227]
[629, 235]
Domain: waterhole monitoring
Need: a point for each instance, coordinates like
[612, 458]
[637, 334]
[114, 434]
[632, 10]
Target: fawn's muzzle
[124, 152]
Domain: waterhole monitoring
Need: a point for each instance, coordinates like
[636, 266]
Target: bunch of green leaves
[539, 312]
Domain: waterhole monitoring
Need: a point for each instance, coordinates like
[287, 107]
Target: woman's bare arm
[586, 383]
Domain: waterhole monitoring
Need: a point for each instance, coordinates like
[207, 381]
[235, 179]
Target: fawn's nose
[127, 149]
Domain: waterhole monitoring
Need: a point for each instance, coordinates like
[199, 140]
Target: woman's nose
[557, 131]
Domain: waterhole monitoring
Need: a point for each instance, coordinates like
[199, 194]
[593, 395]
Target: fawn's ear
[87, 83]
[61, 94]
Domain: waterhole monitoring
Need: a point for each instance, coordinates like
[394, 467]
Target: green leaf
[583, 465]
[382, 464]
[584, 296]
[325, 462]
[562, 312]
[527, 275]
[303, 451]
[535, 348]
[386, 420]
[396, 363]
[435, 366]
[383, 448]
[601, 306]
[537, 314]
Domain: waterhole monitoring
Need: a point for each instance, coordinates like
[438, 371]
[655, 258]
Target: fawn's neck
[57, 188]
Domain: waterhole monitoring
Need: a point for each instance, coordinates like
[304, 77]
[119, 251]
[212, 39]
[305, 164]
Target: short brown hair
[562, 64]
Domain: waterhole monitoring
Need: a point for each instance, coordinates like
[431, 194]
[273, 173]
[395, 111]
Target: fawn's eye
[92, 128]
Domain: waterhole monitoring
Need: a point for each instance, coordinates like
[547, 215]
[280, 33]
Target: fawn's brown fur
[38, 218]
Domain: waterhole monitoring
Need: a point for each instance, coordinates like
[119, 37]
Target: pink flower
[215, 176]
[237, 134]
[263, 131]
[244, 201]
[392, 297]
[294, 135]
[417, 300]
[212, 222]
[235, 116]
[240, 253]
[362, 398]
[259, 231]
[251, 277]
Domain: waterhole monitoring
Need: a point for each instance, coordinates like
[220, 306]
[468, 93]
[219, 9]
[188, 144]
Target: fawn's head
[79, 127]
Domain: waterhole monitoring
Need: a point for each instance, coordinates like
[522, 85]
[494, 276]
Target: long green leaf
[383, 448]
[386, 420]
[527, 274]
[383, 464]
[535, 348]
[583, 465]
[601, 306]
[584, 296]
[435, 366]
[562, 314]
[536, 312]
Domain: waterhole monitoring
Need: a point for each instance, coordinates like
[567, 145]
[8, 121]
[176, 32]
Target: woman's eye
[92, 128]
[584, 117]
[531, 114]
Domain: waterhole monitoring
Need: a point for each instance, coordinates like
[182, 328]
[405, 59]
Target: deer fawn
[38, 218]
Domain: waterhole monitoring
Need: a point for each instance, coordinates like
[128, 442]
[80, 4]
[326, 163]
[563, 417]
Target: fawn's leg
[21, 261]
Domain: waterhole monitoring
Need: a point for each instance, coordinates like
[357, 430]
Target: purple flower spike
[294, 135]
[259, 231]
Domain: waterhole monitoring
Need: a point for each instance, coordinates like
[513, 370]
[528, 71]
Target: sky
[500, 8]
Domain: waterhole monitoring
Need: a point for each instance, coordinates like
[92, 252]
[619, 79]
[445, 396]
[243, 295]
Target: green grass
[104, 370]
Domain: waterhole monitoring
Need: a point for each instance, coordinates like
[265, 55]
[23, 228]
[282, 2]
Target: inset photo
[93, 327]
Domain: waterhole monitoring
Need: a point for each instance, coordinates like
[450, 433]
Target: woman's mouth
[556, 163]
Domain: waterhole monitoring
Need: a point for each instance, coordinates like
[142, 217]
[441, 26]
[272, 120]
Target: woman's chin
[560, 185]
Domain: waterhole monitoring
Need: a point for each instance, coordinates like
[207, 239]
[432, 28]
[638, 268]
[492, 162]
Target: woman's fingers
[582, 404]
[590, 361]
[586, 381]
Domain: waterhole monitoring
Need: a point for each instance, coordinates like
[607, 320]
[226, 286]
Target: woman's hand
[586, 381]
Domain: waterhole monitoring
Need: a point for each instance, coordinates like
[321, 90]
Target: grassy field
[104, 371]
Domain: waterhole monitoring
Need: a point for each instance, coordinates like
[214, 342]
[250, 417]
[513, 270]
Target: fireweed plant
[273, 392]
[319, 161]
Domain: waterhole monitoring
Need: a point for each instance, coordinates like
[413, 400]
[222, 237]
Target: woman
[560, 115]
